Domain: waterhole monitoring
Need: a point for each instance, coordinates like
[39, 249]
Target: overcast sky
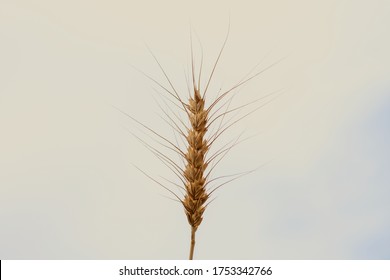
[68, 185]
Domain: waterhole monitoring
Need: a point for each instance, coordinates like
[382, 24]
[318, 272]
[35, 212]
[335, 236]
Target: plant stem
[193, 230]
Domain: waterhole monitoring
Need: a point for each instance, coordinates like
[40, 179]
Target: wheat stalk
[194, 173]
[198, 164]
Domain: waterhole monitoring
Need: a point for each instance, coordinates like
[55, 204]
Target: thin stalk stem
[192, 247]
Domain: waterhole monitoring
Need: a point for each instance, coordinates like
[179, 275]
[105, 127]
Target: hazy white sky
[68, 189]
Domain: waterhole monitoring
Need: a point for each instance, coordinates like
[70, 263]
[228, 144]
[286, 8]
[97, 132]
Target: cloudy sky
[68, 185]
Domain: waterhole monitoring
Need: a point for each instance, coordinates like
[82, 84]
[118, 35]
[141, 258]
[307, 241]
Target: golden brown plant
[197, 164]
[194, 173]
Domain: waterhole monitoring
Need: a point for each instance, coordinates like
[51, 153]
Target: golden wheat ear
[193, 127]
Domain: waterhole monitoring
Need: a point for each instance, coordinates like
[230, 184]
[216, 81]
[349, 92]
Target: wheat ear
[194, 173]
[195, 155]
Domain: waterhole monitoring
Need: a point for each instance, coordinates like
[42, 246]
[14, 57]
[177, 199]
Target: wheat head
[195, 156]
[194, 173]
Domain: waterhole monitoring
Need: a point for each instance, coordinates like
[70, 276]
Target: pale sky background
[68, 189]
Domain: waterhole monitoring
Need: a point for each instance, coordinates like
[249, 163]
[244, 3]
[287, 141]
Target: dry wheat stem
[195, 158]
[196, 195]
